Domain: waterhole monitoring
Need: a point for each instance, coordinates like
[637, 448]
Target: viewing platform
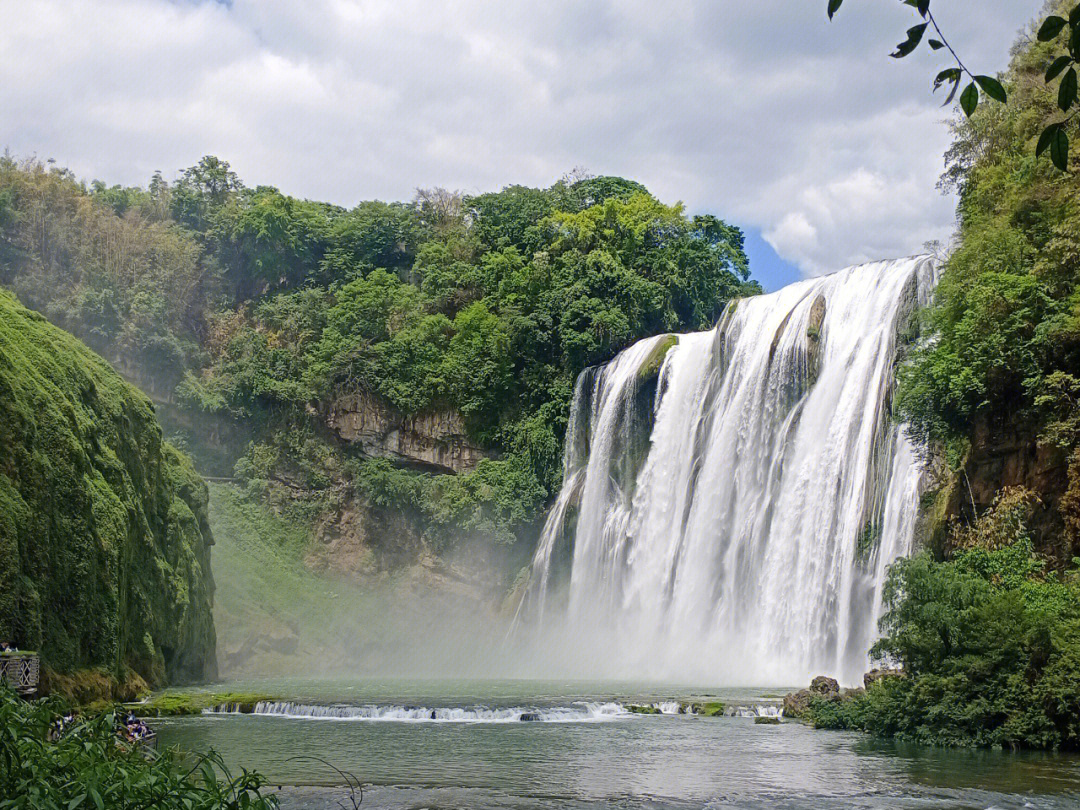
[20, 670]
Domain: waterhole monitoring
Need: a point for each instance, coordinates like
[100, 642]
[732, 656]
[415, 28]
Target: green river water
[583, 750]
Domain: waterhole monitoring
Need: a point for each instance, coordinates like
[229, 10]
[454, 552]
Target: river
[585, 750]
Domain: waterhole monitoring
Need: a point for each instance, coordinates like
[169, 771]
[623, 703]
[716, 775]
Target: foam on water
[576, 712]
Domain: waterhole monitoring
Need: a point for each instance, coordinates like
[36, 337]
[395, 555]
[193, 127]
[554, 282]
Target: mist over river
[580, 748]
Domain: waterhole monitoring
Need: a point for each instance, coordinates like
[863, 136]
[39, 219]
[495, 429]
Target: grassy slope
[104, 540]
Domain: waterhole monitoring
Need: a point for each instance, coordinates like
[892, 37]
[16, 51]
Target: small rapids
[577, 712]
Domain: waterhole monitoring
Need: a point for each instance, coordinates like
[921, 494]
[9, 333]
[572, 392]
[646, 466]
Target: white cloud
[763, 113]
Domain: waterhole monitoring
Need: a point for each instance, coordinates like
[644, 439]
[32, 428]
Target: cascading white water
[736, 512]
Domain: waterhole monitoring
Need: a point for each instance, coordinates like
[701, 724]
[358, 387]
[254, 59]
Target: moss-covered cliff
[104, 539]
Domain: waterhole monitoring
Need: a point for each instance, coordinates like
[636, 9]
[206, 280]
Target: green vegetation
[1006, 318]
[652, 364]
[987, 632]
[86, 765]
[247, 306]
[175, 704]
[268, 600]
[1061, 25]
[989, 643]
[104, 543]
[710, 709]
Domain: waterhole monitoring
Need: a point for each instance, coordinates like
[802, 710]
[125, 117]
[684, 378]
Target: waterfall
[732, 499]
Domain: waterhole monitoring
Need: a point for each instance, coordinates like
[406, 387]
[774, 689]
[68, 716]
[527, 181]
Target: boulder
[796, 703]
[824, 686]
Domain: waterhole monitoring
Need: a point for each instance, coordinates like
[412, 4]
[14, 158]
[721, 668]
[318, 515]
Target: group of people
[7, 646]
[135, 729]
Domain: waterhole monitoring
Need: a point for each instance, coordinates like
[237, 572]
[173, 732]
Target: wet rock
[813, 337]
[711, 709]
[529, 717]
[766, 720]
[796, 703]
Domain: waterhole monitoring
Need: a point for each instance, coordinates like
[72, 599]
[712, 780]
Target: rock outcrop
[796, 703]
[1002, 456]
[434, 439]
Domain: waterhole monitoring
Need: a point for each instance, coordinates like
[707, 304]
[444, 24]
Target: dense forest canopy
[251, 305]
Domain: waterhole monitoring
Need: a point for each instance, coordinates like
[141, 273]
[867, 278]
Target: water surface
[616, 761]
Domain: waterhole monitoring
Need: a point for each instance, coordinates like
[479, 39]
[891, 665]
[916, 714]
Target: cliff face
[104, 536]
[1005, 456]
[435, 439]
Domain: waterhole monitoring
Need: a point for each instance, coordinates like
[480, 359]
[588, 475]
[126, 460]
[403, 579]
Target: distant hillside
[104, 539]
[396, 376]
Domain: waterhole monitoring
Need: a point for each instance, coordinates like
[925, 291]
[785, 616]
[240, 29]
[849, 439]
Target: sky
[801, 131]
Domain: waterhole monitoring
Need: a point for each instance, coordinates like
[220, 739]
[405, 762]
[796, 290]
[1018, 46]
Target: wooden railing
[20, 670]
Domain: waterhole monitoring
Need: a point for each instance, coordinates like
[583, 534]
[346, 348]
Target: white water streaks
[575, 712]
[578, 712]
[731, 516]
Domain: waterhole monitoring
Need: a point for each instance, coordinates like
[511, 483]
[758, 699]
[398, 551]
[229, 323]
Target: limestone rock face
[817, 318]
[435, 439]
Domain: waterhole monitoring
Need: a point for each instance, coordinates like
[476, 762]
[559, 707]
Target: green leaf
[1050, 28]
[1045, 138]
[76, 801]
[1057, 66]
[914, 37]
[947, 75]
[969, 99]
[923, 6]
[1067, 90]
[834, 6]
[992, 87]
[97, 798]
[936, 44]
[1074, 16]
[952, 92]
[1059, 149]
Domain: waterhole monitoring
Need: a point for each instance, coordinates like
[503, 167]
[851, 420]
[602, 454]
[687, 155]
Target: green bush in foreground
[88, 767]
